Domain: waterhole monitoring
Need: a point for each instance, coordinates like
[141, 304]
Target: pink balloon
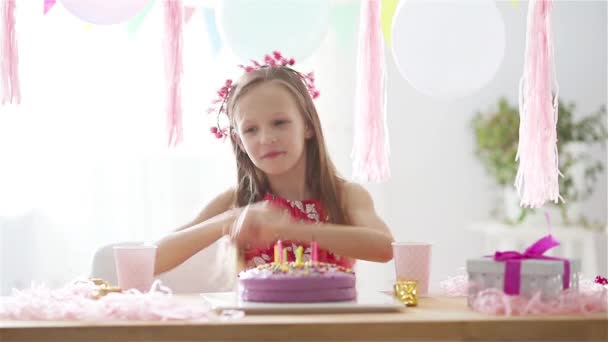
[105, 12]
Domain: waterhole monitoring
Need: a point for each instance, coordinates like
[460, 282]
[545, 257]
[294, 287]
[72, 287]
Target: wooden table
[435, 319]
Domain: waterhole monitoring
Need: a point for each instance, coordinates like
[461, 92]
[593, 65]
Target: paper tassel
[173, 68]
[48, 4]
[537, 179]
[11, 92]
[370, 146]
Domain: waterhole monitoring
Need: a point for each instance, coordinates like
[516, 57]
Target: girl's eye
[280, 122]
[250, 130]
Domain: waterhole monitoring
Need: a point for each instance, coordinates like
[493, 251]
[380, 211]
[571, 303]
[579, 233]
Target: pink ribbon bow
[513, 261]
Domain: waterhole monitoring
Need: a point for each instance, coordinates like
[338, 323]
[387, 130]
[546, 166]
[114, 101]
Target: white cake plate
[365, 302]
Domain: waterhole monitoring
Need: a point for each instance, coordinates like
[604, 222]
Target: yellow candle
[299, 252]
[285, 255]
[276, 254]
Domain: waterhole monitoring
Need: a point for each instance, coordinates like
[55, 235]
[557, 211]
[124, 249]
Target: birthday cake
[297, 281]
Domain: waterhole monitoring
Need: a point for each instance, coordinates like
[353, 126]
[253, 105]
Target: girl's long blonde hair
[322, 179]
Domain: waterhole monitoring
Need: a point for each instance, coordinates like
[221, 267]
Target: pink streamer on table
[590, 298]
[76, 301]
[537, 179]
[370, 145]
[173, 68]
[496, 302]
[455, 286]
[48, 4]
[11, 90]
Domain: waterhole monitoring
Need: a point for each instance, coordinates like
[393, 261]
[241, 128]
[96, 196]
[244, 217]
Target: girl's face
[270, 128]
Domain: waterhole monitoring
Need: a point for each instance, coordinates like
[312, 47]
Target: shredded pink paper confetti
[455, 286]
[590, 298]
[76, 301]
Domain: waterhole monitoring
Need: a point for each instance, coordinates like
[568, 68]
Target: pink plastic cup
[413, 262]
[135, 266]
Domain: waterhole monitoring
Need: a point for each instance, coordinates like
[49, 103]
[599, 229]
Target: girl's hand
[259, 224]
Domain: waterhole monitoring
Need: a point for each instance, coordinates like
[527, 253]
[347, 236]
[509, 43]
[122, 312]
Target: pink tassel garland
[11, 92]
[537, 179]
[370, 146]
[173, 68]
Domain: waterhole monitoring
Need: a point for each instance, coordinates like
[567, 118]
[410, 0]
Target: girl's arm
[367, 237]
[210, 225]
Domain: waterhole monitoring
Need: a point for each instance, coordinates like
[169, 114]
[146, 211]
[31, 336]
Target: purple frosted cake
[297, 282]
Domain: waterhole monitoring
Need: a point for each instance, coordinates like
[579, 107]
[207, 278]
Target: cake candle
[299, 252]
[285, 256]
[279, 252]
[276, 254]
[315, 251]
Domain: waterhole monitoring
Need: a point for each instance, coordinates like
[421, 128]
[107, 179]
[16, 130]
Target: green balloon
[253, 28]
[344, 19]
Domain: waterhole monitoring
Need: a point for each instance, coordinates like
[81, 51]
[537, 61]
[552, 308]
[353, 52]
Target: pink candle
[315, 251]
[279, 250]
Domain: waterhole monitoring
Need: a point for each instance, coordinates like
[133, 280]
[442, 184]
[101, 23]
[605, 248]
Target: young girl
[287, 187]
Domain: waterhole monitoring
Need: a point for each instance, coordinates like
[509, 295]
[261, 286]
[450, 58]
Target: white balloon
[254, 28]
[448, 49]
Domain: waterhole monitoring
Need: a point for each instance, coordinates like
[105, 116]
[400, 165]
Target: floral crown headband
[274, 60]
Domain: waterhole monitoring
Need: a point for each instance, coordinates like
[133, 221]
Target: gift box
[525, 273]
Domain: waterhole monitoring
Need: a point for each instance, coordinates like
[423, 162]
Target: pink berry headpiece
[274, 60]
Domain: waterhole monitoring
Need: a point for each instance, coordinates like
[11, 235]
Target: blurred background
[85, 162]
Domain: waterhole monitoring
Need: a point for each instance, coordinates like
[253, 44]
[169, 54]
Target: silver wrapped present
[530, 277]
